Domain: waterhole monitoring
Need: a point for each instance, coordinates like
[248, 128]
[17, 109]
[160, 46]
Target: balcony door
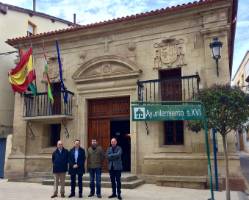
[56, 89]
[171, 90]
[171, 84]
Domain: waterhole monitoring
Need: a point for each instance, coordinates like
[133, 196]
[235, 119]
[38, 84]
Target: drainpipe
[34, 5]
[74, 19]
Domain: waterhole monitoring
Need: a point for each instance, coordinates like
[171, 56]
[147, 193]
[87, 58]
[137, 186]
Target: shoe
[71, 195]
[112, 196]
[119, 197]
[62, 196]
[53, 196]
[91, 195]
[99, 196]
[80, 195]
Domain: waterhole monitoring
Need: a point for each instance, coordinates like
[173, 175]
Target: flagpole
[65, 94]
[34, 69]
[45, 74]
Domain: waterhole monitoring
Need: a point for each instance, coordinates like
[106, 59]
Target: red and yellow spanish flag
[23, 74]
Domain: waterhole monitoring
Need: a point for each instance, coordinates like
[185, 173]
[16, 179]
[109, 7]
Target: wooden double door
[108, 118]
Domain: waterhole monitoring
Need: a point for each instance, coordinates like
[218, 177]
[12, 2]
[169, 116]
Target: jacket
[80, 162]
[95, 157]
[115, 158]
[60, 161]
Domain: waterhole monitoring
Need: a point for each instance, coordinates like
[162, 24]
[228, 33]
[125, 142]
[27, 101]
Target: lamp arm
[217, 66]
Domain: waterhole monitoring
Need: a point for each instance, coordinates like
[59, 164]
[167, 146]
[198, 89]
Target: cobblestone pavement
[35, 191]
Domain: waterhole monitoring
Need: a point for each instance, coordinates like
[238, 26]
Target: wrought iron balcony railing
[184, 88]
[39, 105]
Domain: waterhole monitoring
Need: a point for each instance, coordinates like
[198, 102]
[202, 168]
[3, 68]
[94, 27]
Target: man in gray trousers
[115, 167]
[60, 167]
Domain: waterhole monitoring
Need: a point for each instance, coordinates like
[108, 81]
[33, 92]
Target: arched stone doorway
[106, 85]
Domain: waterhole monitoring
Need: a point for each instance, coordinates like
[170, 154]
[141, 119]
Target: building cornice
[138, 19]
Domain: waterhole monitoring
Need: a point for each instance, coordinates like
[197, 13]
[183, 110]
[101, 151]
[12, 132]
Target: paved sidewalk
[34, 191]
[244, 163]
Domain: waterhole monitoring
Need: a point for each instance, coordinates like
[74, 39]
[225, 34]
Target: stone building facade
[102, 64]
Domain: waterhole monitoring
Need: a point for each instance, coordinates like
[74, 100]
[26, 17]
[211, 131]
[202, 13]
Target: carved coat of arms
[53, 70]
[168, 53]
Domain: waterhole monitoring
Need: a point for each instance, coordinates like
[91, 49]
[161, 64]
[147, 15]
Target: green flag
[50, 94]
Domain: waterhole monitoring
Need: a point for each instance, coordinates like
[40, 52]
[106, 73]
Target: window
[173, 133]
[31, 29]
[50, 135]
[171, 90]
[55, 130]
[56, 89]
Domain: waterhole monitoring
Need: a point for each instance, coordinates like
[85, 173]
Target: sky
[90, 11]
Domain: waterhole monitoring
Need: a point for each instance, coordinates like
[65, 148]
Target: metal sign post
[173, 110]
[208, 153]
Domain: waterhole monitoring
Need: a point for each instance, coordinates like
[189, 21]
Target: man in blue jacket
[114, 156]
[77, 159]
[60, 167]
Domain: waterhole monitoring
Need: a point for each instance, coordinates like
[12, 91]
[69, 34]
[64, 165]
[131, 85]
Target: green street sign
[159, 112]
[163, 111]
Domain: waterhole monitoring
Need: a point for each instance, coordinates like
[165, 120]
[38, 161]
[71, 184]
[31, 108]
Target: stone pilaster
[15, 166]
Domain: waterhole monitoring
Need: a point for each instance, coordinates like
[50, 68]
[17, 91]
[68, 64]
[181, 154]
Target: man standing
[95, 159]
[114, 154]
[60, 166]
[76, 167]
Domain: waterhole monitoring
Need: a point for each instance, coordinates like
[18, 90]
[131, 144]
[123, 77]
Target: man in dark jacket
[115, 167]
[60, 167]
[76, 167]
[95, 160]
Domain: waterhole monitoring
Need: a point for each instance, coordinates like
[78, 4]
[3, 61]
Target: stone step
[129, 181]
[131, 184]
[105, 177]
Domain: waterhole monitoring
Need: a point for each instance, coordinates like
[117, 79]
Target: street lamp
[215, 46]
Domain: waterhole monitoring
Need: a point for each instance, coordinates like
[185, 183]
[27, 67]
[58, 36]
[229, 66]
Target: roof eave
[169, 10]
[233, 31]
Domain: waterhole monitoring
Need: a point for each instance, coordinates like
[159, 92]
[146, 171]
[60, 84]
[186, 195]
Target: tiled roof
[5, 7]
[117, 20]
